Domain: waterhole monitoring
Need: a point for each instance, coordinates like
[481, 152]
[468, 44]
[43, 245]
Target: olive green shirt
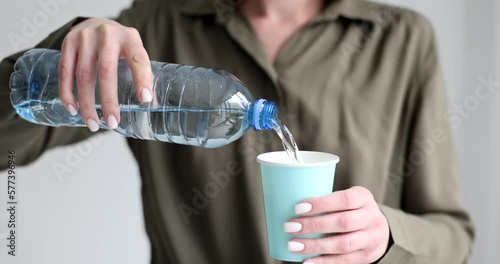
[361, 80]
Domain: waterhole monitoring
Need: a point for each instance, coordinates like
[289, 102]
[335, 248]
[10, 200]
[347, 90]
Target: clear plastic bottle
[191, 105]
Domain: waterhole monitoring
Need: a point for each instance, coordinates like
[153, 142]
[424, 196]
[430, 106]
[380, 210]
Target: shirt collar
[201, 7]
[351, 9]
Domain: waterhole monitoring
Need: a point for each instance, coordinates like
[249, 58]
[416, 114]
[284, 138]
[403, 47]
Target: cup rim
[334, 160]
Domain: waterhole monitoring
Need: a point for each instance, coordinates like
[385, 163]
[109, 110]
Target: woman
[354, 78]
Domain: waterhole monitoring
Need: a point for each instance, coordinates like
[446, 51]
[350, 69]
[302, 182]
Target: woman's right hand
[92, 49]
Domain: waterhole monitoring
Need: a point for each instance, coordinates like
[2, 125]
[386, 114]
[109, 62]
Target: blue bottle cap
[264, 114]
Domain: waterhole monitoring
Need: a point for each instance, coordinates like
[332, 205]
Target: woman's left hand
[358, 231]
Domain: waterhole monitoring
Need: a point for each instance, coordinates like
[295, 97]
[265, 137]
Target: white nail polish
[303, 208]
[92, 125]
[292, 227]
[309, 262]
[295, 246]
[71, 109]
[111, 122]
[146, 96]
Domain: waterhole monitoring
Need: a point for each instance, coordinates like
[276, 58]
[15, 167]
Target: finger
[66, 69]
[341, 222]
[107, 65]
[350, 199]
[85, 79]
[335, 244]
[357, 257]
[140, 65]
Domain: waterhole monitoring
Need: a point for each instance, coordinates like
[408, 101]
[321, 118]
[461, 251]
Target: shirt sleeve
[432, 226]
[27, 139]
[31, 140]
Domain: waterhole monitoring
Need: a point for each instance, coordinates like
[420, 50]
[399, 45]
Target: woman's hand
[358, 231]
[91, 51]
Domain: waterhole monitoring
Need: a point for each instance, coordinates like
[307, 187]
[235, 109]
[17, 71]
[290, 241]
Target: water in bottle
[191, 105]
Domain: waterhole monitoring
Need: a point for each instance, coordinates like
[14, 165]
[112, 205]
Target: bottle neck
[263, 115]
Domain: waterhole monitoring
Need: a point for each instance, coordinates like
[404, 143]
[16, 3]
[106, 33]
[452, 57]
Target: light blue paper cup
[285, 184]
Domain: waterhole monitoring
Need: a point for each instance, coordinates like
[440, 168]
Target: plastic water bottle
[191, 105]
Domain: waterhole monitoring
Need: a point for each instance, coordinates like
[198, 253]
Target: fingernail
[292, 227]
[146, 96]
[92, 125]
[71, 109]
[303, 208]
[111, 121]
[309, 262]
[295, 246]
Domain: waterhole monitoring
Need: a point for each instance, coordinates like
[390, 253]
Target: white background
[93, 214]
